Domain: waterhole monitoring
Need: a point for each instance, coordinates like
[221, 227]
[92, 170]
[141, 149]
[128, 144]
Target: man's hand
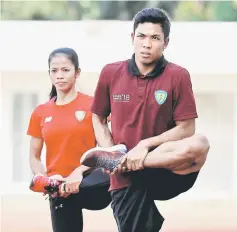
[133, 160]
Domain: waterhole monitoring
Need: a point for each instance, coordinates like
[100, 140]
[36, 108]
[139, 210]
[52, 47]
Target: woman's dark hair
[71, 55]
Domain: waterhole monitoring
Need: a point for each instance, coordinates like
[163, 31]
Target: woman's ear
[78, 73]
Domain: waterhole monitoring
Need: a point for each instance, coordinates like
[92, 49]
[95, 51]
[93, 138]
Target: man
[153, 113]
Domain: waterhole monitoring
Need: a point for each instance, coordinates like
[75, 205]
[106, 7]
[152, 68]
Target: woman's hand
[58, 178]
[72, 182]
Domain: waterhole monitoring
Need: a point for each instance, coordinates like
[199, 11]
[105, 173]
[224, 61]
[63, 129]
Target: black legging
[66, 213]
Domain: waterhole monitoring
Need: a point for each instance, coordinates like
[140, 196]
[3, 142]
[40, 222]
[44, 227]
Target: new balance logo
[47, 119]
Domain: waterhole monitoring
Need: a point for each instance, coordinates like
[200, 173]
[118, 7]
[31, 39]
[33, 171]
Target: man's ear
[166, 42]
[132, 37]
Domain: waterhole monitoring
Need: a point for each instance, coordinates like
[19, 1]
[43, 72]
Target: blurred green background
[117, 10]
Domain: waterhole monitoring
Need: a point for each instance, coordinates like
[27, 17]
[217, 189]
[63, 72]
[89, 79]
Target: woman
[64, 125]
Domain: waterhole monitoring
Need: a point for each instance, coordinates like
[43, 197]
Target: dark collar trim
[158, 69]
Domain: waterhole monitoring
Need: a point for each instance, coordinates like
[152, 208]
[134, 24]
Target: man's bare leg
[182, 157]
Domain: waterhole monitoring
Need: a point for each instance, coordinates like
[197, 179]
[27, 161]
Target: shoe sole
[119, 147]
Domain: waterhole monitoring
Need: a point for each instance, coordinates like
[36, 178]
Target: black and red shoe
[44, 184]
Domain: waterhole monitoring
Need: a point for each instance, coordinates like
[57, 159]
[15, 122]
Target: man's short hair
[153, 15]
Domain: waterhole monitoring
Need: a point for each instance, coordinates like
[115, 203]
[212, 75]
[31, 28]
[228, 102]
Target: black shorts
[134, 207]
[163, 184]
[66, 213]
[135, 211]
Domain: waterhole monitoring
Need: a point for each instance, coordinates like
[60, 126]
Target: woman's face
[62, 73]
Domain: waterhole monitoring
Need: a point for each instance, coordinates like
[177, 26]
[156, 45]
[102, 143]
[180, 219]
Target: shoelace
[53, 183]
[52, 187]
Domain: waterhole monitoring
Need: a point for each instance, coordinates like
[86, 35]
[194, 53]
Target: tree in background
[206, 11]
[117, 10]
[126, 10]
[190, 11]
[222, 11]
[33, 10]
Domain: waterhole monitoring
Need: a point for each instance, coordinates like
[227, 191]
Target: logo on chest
[48, 119]
[161, 96]
[121, 97]
[80, 115]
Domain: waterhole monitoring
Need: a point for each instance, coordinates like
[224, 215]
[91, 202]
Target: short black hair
[153, 15]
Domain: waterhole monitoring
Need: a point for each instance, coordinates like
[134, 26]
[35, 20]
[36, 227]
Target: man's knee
[197, 143]
[202, 140]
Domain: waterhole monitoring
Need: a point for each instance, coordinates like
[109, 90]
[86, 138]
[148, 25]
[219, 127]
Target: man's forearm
[80, 171]
[102, 132]
[83, 168]
[177, 133]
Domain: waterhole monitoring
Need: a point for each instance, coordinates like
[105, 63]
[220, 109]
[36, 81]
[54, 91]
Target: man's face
[149, 42]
